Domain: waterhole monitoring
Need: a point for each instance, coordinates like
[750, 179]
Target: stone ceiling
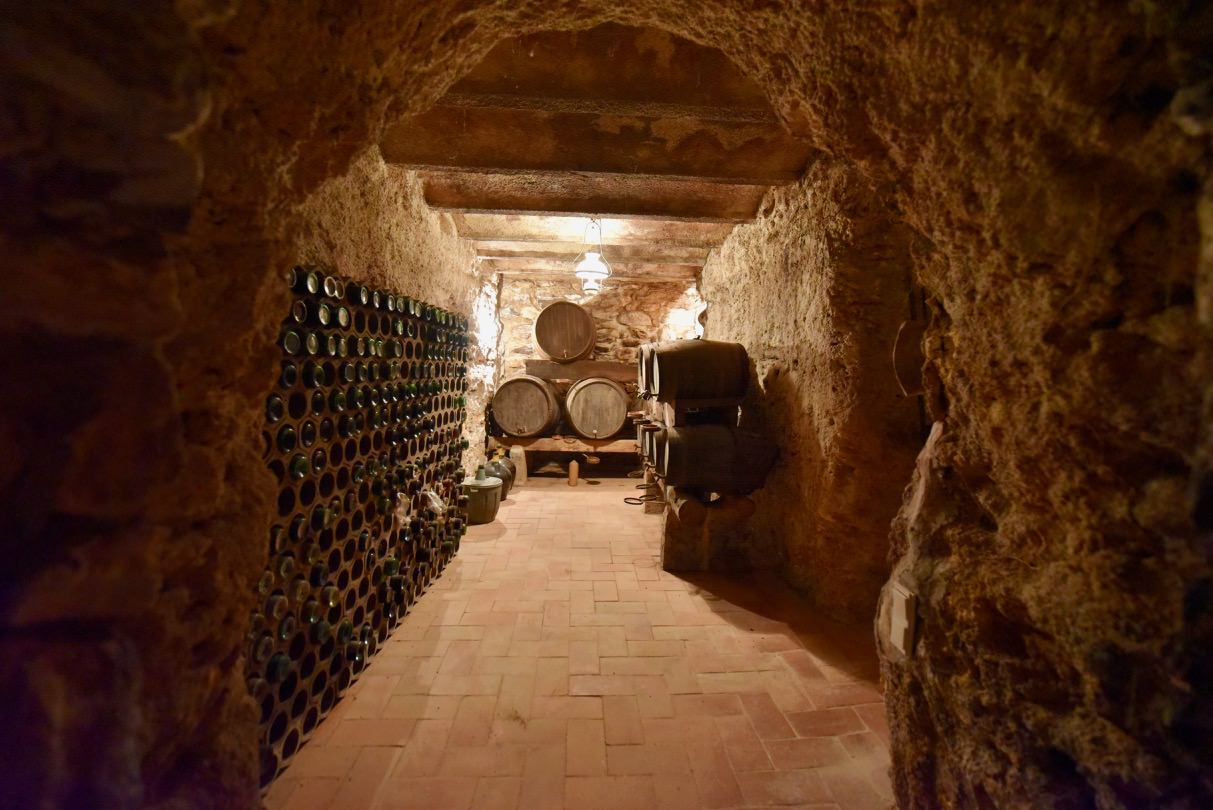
[663, 140]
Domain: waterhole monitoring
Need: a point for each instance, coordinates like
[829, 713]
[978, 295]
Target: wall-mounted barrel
[525, 406]
[596, 407]
[715, 458]
[564, 332]
[699, 369]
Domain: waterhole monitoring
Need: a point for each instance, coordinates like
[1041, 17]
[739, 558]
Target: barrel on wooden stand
[564, 332]
[597, 408]
[699, 369]
[525, 406]
[652, 443]
[716, 458]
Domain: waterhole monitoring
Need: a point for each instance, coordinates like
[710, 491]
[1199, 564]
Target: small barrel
[564, 332]
[525, 406]
[699, 369]
[597, 408]
[716, 458]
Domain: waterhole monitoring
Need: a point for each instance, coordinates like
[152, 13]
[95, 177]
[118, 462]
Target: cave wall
[625, 316]
[815, 289]
[1052, 159]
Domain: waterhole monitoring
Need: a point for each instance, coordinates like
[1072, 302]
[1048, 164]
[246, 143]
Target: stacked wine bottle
[364, 433]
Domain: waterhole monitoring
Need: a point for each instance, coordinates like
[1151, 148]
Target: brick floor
[554, 664]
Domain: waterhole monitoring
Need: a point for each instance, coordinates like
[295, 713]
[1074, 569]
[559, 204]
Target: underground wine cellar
[705, 405]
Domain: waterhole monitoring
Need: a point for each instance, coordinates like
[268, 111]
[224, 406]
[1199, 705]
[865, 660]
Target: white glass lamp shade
[592, 267]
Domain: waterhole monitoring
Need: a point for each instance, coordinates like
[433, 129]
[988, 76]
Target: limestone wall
[625, 316]
[815, 291]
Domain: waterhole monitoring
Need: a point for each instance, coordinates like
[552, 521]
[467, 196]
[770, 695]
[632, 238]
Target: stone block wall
[625, 314]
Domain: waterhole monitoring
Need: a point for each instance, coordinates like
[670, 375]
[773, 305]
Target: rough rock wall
[625, 316]
[1052, 155]
[815, 290]
[372, 224]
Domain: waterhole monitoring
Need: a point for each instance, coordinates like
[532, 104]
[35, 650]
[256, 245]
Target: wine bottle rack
[364, 422]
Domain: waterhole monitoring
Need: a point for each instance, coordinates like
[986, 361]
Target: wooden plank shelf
[580, 369]
[563, 444]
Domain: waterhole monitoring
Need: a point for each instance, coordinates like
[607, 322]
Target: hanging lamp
[591, 267]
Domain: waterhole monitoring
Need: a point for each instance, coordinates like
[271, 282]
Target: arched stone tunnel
[1034, 177]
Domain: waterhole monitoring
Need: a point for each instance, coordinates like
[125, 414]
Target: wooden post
[689, 510]
[692, 546]
[573, 469]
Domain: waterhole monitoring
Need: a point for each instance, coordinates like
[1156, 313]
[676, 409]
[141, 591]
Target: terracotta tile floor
[555, 665]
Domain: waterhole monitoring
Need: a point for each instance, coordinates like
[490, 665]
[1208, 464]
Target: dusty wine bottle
[299, 467]
[291, 342]
[275, 408]
[278, 668]
[286, 439]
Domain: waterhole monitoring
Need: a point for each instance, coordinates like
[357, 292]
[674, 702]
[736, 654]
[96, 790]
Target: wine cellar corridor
[555, 665]
[458, 404]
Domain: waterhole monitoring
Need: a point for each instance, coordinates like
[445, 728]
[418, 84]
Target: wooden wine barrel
[596, 407]
[525, 406]
[716, 458]
[564, 332]
[644, 369]
[699, 369]
[652, 441]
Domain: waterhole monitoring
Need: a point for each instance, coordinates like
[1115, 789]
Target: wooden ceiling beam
[592, 194]
[525, 140]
